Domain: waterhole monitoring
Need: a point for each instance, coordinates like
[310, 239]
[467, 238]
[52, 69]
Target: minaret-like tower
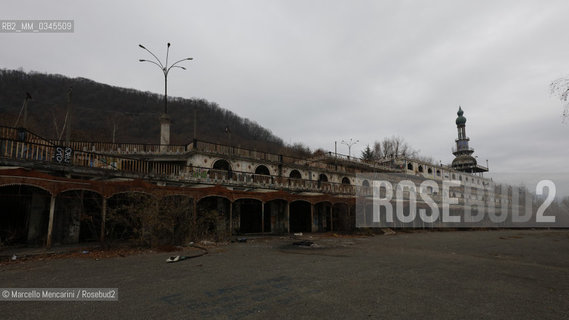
[464, 161]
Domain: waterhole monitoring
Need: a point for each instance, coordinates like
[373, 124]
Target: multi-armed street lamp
[164, 119]
[350, 144]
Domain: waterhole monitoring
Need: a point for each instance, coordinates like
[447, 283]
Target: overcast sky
[323, 71]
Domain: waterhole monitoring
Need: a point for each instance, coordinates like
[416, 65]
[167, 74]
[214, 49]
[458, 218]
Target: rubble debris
[298, 234]
[387, 231]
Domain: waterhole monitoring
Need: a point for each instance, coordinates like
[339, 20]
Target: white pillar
[164, 131]
[50, 224]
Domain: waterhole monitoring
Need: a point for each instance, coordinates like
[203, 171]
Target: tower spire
[464, 161]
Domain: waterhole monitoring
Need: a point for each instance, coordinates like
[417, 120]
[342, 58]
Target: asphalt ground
[499, 274]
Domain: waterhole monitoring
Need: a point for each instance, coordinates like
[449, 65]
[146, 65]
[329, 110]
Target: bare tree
[393, 147]
[376, 154]
[560, 89]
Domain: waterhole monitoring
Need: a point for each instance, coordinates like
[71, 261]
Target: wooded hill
[99, 109]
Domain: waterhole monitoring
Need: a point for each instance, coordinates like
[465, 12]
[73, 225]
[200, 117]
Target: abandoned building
[53, 192]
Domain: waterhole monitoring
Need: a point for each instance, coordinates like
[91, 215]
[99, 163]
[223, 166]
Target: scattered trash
[14, 258]
[176, 259]
[298, 234]
[387, 231]
[241, 239]
[207, 243]
[191, 243]
[182, 258]
[304, 243]
[85, 251]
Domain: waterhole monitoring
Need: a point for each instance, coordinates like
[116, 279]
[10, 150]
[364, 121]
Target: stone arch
[365, 183]
[263, 175]
[221, 164]
[262, 169]
[135, 191]
[322, 177]
[346, 180]
[409, 166]
[28, 184]
[420, 168]
[221, 170]
[295, 174]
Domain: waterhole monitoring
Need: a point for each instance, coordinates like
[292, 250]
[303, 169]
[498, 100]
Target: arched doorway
[275, 216]
[24, 216]
[262, 174]
[342, 220]
[262, 170]
[249, 214]
[221, 164]
[77, 217]
[221, 170]
[127, 216]
[213, 217]
[295, 174]
[176, 220]
[323, 216]
[299, 220]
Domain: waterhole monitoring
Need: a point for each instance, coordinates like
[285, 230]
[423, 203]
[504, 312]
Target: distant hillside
[99, 108]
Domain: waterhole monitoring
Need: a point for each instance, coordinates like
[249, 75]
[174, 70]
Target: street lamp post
[164, 118]
[350, 144]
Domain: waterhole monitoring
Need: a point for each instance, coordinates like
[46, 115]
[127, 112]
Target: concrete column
[230, 219]
[332, 218]
[36, 217]
[72, 216]
[103, 218]
[287, 213]
[313, 226]
[195, 208]
[164, 132]
[262, 216]
[50, 224]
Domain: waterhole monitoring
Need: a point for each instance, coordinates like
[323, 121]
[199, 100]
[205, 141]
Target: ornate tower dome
[464, 161]
[460, 120]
